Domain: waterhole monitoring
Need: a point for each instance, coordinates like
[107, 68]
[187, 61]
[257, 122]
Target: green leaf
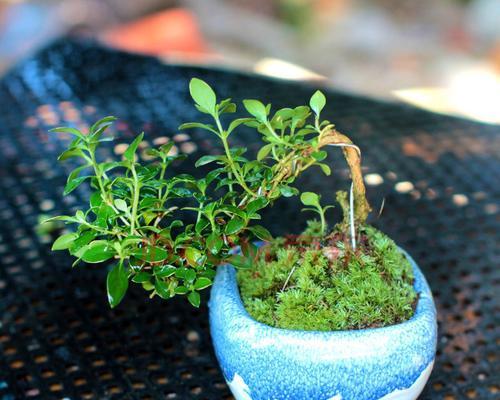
[326, 169]
[202, 283]
[106, 139]
[181, 272]
[237, 122]
[234, 226]
[164, 271]
[162, 289]
[65, 218]
[149, 203]
[116, 284]
[141, 277]
[193, 256]
[69, 154]
[317, 102]
[151, 254]
[104, 212]
[73, 184]
[99, 128]
[237, 152]
[194, 299]
[95, 199]
[181, 290]
[213, 175]
[253, 165]
[264, 151]
[102, 123]
[225, 106]
[191, 125]
[80, 216]
[177, 223]
[207, 159]
[224, 182]
[121, 205]
[98, 251]
[284, 114]
[256, 205]
[203, 95]
[190, 275]
[261, 232]
[310, 199]
[319, 155]
[65, 241]
[288, 191]
[165, 148]
[239, 261]
[235, 210]
[132, 148]
[131, 241]
[149, 216]
[304, 131]
[181, 192]
[300, 115]
[108, 166]
[214, 243]
[257, 109]
[201, 225]
[184, 178]
[83, 240]
[71, 131]
[147, 173]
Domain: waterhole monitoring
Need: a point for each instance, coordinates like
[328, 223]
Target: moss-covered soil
[309, 284]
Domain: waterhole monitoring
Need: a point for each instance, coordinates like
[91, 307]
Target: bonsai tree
[168, 233]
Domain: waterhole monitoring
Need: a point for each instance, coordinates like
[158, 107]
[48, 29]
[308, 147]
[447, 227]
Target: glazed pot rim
[425, 309]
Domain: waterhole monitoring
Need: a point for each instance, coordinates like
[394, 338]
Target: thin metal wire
[351, 196]
[289, 276]
[351, 217]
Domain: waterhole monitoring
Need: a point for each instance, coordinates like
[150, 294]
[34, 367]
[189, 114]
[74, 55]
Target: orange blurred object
[172, 32]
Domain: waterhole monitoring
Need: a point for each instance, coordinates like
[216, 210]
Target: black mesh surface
[440, 178]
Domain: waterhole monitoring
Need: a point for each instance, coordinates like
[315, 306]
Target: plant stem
[98, 175]
[135, 201]
[231, 162]
[162, 175]
[323, 221]
[198, 216]
[97, 170]
[96, 228]
[276, 136]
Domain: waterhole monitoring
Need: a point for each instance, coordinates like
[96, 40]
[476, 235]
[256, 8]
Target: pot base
[241, 391]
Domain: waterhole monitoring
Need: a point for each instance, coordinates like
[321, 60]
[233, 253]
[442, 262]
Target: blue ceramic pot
[260, 362]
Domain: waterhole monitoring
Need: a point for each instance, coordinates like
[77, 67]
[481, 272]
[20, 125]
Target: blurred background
[442, 55]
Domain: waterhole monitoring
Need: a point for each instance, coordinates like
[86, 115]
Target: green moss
[300, 285]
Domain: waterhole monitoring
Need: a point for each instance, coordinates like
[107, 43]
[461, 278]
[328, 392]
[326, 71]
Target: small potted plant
[339, 313]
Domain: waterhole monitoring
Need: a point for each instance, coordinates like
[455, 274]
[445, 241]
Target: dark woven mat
[59, 339]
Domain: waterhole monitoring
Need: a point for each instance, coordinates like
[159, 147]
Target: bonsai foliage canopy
[169, 233]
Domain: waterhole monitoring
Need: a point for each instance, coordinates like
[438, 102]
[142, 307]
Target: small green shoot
[312, 200]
